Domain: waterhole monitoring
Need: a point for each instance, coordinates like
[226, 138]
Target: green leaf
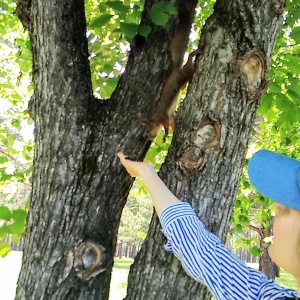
[20, 176]
[255, 251]
[238, 228]
[295, 35]
[108, 67]
[3, 159]
[241, 243]
[24, 66]
[100, 21]
[129, 29]
[4, 249]
[238, 203]
[15, 239]
[19, 215]
[274, 88]
[284, 104]
[10, 140]
[263, 200]
[5, 213]
[292, 63]
[16, 228]
[3, 232]
[4, 6]
[16, 123]
[163, 7]
[160, 18]
[111, 84]
[160, 13]
[295, 89]
[266, 103]
[118, 6]
[29, 170]
[144, 30]
[244, 219]
[266, 223]
[293, 95]
[141, 235]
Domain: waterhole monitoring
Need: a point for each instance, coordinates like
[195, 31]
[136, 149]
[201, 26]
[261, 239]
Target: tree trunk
[217, 96]
[266, 265]
[78, 186]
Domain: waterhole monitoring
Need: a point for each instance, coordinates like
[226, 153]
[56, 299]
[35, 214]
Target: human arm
[201, 253]
[161, 196]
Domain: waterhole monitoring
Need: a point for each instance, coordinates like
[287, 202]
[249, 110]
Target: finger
[129, 158]
[121, 156]
[124, 157]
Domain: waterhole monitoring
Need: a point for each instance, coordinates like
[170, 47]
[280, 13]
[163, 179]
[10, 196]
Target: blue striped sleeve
[205, 259]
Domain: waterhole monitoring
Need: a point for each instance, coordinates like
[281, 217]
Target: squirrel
[163, 115]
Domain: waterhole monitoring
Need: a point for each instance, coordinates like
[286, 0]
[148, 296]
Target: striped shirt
[206, 260]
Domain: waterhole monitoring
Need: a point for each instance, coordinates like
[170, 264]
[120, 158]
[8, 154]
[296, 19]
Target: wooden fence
[125, 249]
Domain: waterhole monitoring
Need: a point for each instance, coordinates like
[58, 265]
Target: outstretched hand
[160, 194]
[135, 168]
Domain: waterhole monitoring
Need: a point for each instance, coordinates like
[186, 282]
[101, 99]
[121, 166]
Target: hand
[136, 168]
[160, 194]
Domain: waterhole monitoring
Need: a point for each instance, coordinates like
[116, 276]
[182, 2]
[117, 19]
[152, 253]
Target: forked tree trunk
[216, 94]
[80, 188]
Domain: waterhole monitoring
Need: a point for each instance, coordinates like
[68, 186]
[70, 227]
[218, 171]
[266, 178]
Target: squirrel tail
[186, 14]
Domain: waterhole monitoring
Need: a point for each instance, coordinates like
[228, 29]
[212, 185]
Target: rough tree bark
[217, 95]
[79, 188]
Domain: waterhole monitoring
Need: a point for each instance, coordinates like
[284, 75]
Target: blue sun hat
[276, 176]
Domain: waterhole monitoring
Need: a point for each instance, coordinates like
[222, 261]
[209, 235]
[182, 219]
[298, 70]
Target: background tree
[135, 218]
[79, 189]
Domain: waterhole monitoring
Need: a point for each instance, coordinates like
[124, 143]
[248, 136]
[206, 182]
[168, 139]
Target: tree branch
[253, 228]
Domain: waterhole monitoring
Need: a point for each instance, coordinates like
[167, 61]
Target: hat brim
[276, 176]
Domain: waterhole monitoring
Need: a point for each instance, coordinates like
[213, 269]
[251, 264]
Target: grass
[287, 280]
[123, 263]
[119, 278]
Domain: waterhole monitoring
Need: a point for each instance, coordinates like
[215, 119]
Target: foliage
[13, 224]
[135, 217]
[112, 27]
[16, 145]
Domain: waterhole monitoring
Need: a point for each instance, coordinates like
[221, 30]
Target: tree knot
[88, 260]
[253, 69]
[206, 135]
